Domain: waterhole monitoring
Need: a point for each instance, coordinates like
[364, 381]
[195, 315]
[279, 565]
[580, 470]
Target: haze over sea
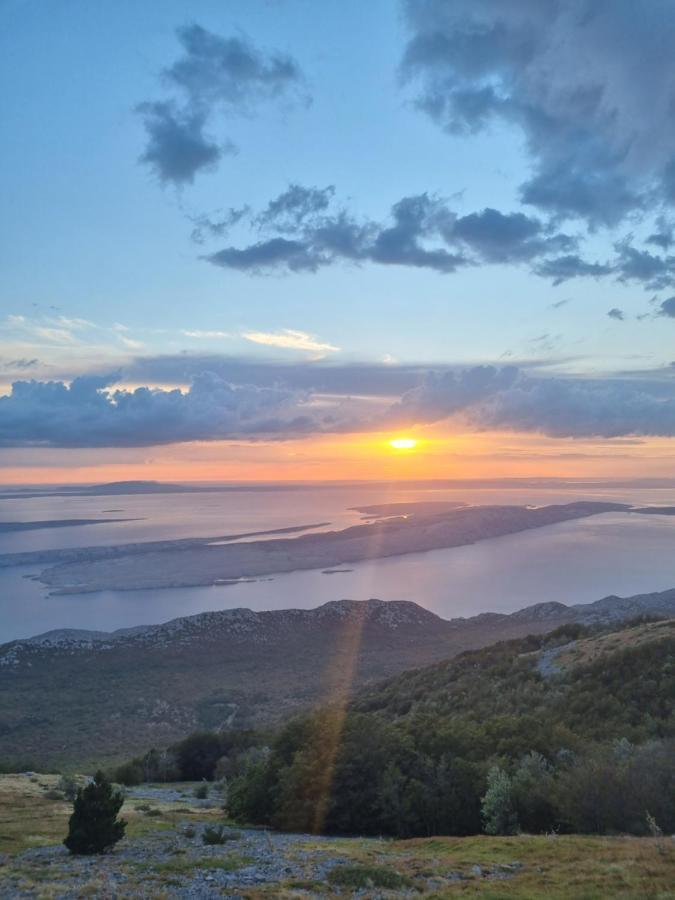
[613, 553]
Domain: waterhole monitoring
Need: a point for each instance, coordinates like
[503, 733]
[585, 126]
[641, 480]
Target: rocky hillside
[69, 697]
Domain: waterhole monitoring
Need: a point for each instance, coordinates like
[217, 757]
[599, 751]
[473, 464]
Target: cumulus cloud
[214, 77]
[588, 83]
[507, 399]
[177, 147]
[88, 414]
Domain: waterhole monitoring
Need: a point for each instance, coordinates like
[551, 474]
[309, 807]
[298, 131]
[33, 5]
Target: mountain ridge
[69, 701]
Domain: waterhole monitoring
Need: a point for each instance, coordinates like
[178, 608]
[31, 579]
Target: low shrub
[213, 835]
[355, 877]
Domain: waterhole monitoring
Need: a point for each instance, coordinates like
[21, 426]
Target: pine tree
[94, 826]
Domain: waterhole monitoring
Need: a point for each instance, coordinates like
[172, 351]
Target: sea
[571, 562]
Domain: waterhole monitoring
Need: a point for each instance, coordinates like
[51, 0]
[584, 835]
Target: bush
[201, 792]
[54, 795]
[356, 877]
[213, 835]
[94, 826]
[67, 784]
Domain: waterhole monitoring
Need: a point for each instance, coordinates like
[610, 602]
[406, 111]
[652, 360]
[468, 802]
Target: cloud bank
[89, 413]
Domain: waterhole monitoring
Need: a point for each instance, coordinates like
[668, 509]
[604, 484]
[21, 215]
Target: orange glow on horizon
[439, 454]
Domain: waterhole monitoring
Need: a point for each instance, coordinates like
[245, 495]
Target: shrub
[67, 784]
[201, 792]
[357, 877]
[94, 826]
[54, 795]
[213, 834]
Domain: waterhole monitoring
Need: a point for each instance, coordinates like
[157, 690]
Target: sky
[258, 240]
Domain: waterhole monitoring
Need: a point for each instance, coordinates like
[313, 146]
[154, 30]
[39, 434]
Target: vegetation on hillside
[497, 740]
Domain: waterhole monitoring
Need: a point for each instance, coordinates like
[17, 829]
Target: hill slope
[72, 698]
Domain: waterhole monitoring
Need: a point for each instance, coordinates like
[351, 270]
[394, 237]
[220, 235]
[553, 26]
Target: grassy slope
[558, 868]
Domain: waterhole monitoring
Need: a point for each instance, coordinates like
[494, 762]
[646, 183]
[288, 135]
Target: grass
[557, 868]
[356, 877]
[184, 866]
[29, 818]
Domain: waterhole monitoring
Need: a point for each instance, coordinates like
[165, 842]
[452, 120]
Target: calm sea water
[571, 562]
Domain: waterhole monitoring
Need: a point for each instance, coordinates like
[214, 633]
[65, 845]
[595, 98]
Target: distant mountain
[72, 697]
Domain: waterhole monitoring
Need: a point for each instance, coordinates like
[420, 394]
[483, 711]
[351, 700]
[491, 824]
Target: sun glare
[403, 444]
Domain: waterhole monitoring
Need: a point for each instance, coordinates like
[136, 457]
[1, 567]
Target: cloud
[228, 71]
[316, 238]
[206, 334]
[562, 268]
[588, 83]
[277, 253]
[304, 231]
[88, 414]
[293, 207]
[177, 148]
[616, 314]
[490, 398]
[288, 339]
[214, 76]
[667, 308]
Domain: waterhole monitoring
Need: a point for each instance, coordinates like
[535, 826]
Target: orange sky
[352, 457]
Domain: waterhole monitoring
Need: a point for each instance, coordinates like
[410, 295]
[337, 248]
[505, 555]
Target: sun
[403, 443]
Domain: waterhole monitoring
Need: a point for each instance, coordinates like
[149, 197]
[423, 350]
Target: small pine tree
[498, 807]
[94, 826]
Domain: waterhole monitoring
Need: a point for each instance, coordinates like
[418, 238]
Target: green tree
[94, 826]
[498, 807]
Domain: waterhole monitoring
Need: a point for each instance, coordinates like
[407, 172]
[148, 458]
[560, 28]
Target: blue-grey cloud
[562, 268]
[654, 272]
[616, 313]
[489, 398]
[667, 308]
[423, 232]
[215, 78]
[295, 206]
[177, 147]
[229, 71]
[89, 413]
[277, 253]
[589, 83]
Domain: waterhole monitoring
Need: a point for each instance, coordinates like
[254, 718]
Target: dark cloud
[423, 232]
[663, 236]
[513, 237]
[667, 308]
[616, 313]
[589, 83]
[228, 70]
[562, 268]
[654, 272]
[89, 413]
[214, 75]
[506, 399]
[277, 253]
[290, 210]
[177, 148]
[86, 414]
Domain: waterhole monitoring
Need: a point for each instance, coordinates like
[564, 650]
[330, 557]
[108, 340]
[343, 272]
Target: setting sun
[403, 444]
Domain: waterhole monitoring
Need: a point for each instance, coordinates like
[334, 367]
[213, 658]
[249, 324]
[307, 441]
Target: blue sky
[100, 268]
